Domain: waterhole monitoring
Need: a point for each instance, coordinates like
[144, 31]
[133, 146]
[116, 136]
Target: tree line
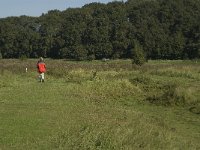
[153, 29]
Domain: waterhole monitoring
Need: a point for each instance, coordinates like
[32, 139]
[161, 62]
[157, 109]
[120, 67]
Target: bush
[91, 57]
[137, 53]
[23, 57]
[1, 56]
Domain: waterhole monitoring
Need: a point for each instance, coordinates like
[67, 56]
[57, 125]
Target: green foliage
[165, 30]
[91, 57]
[169, 96]
[79, 52]
[1, 56]
[23, 57]
[137, 53]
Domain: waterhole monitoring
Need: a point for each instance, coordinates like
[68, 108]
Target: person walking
[41, 66]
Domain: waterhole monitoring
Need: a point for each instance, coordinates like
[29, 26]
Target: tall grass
[98, 105]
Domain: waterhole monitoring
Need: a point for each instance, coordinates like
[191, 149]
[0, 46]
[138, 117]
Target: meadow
[91, 105]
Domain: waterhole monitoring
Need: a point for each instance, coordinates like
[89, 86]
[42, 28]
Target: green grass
[100, 105]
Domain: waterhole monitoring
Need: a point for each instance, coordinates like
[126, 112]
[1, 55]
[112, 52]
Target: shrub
[91, 57]
[137, 53]
[1, 56]
[23, 57]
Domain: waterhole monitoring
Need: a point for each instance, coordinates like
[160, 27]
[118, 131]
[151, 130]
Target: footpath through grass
[100, 105]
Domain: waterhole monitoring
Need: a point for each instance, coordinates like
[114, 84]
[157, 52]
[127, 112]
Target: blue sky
[37, 7]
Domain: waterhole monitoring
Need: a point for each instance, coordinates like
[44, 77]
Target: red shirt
[41, 67]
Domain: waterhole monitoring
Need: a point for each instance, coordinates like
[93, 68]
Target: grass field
[110, 105]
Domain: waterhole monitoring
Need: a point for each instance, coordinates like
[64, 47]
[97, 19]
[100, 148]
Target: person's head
[41, 59]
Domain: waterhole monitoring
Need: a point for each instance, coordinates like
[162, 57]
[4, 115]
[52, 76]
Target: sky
[37, 7]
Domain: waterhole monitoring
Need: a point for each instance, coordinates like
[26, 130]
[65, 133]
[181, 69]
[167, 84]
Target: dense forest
[155, 29]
